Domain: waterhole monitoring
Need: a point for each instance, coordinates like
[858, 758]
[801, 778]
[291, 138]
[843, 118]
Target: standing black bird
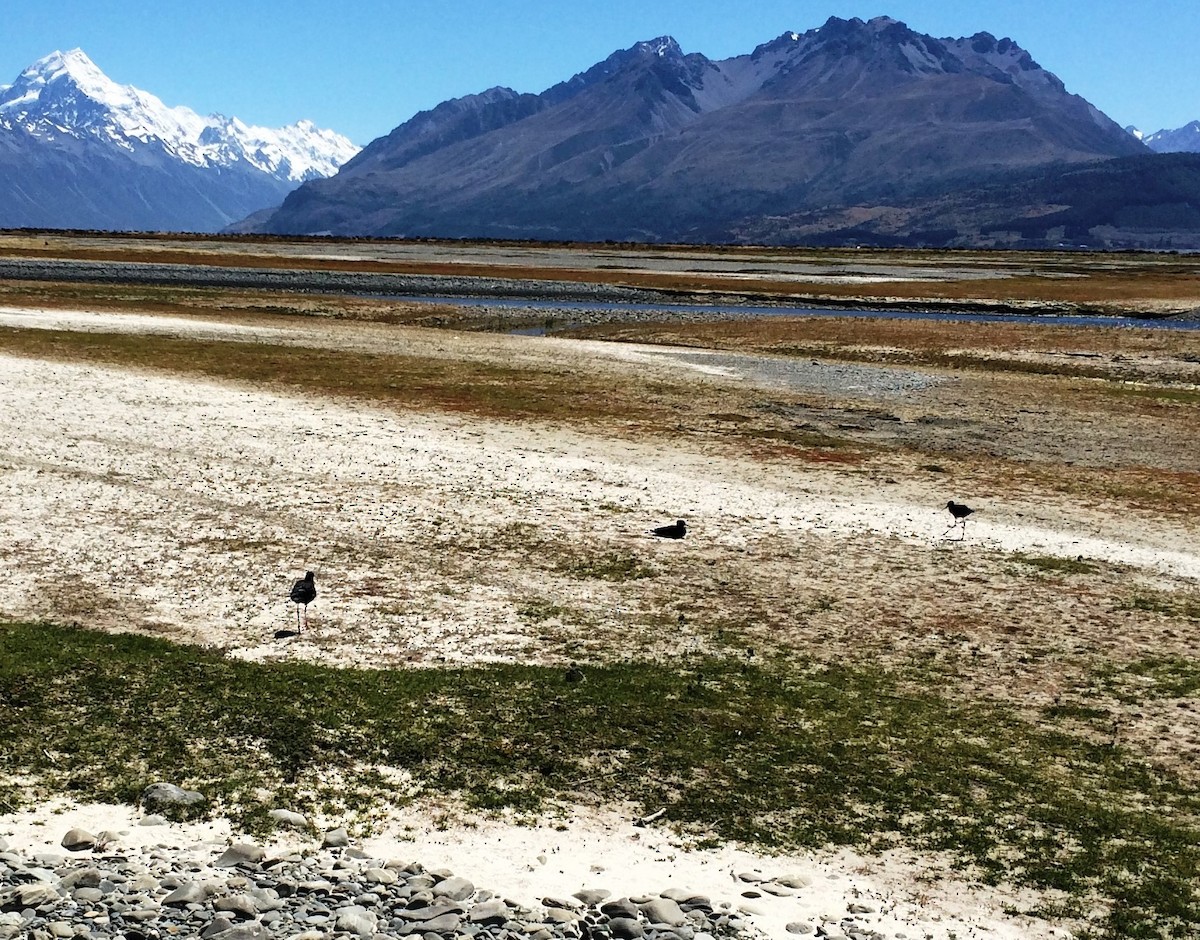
[676, 531]
[304, 592]
[959, 511]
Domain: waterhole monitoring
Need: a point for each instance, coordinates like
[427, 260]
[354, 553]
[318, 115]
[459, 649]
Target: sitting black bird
[304, 592]
[676, 531]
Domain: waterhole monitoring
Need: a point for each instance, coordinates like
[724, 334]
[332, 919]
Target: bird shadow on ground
[284, 634]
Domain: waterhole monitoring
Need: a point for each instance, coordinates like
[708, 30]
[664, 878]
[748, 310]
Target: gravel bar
[242, 892]
[337, 282]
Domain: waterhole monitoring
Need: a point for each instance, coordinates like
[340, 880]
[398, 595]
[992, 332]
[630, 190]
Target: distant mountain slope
[1184, 139]
[653, 144]
[78, 150]
[1151, 201]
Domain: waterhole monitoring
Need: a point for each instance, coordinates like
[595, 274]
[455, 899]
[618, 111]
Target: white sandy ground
[183, 505]
[558, 856]
[186, 507]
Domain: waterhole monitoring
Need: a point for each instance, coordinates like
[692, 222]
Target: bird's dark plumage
[304, 592]
[675, 531]
[959, 510]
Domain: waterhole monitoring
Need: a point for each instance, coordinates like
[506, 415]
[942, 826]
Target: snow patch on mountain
[662, 47]
[1184, 139]
[66, 95]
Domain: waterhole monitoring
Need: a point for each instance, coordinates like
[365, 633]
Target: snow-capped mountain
[1184, 139]
[63, 106]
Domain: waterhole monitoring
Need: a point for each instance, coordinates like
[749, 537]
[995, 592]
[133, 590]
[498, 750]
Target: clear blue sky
[363, 66]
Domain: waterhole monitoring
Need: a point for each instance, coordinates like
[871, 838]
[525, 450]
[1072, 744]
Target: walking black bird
[304, 592]
[959, 511]
[676, 531]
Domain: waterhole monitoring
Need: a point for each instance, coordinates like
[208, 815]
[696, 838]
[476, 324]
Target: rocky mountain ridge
[657, 144]
[1184, 139]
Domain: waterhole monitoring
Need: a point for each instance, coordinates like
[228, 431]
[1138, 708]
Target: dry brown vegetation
[860, 335]
[188, 301]
[1144, 284]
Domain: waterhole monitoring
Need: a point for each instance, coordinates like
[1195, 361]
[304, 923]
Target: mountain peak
[65, 94]
[985, 43]
[1184, 139]
[68, 89]
[661, 46]
[73, 61]
[860, 37]
[835, 24]
[636, 56]
[72, 66]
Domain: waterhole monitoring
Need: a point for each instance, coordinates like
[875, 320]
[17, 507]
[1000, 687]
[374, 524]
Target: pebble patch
[241, 892]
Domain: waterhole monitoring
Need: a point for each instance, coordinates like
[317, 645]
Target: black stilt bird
[959, 511]
[304, 592]
[675, 531]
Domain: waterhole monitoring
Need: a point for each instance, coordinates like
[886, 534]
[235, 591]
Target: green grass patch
[783, 753]
[1166, 677]
[1171, 605]
[1077, 711]
[1184, 396]
[539, 609]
